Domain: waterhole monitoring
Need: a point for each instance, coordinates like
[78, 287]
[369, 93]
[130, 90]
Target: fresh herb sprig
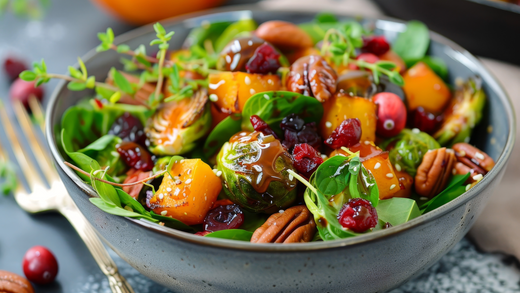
[8, 181]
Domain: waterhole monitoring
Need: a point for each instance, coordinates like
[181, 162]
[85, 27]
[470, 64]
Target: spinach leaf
[234, 30]
[332, 175]
[113, 209]
[253, 221]
[103, 150]
[172, 223]
[435, 63]
[199, 35]
[233, 234]
[129, 201]
[272, 107]
[455, 188]
[325, 17]
[413, 43]
[222, 133]
[397, 210]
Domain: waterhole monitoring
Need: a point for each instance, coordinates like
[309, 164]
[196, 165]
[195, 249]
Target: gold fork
[40, 198]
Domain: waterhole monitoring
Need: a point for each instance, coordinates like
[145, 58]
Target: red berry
[40, 265]
[13, 67]
[296, 131]
[21, 90]
[261, 126]
[265, 60]
[306, 159]
[224, 217]
[347, 134]
[424, 120]
[129, 128]
[358, 215]
[391, 114]
[135, 156]
[376, 45]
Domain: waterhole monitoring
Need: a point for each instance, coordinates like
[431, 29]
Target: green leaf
[28, 75]
[123, 48]
[75, 73]
[435, 63]
[83, 69]
[233, 234]
[208, 32]
[396, 78]
[113, 209]
[331, 175]
[454, 189]
[232, 31]
[397, 210]
[325, 17]
[76, 86]
[159, 29]
[8, 176]
[388, 65]
[104, 92]
[413, 42]
[127, 200]
[253, 221]
[91, 82]
[222, 133]
[173, 223]
[114, 98]
[121, 82]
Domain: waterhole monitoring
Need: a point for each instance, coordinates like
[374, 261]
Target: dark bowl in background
[373, 262]
[485, 28]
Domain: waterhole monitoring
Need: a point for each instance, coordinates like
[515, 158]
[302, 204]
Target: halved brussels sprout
[176, 126]
[254, 172]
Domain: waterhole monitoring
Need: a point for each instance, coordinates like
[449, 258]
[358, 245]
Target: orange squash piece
[190, 194]
[250, 84]
[340, 107]
[224, 86]
[425, 89]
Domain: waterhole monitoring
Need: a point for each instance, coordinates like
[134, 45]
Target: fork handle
[118, 283]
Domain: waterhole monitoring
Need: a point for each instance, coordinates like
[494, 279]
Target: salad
[274, 132]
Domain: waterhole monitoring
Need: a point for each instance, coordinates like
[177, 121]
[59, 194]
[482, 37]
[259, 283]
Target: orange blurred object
[146, 11]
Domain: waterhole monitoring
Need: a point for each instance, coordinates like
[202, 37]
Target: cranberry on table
[261, 126]
[13, 67]
[265, 60]
[129, 128]
[347, 134]
[40, 265]
[224, 217]
[358, 215]
[391, 114]
[306, 159]
[424, 120]
[296, 132]
[21, 90]
[135, 156]
[376, 45]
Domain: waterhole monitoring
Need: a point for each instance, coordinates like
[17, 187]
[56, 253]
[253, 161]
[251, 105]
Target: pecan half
[312, 76]
[13, 283]
[295, 224]
[434, 172]
[284, 35]
[470, 159]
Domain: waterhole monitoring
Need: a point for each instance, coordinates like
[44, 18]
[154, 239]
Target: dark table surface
[67, 31]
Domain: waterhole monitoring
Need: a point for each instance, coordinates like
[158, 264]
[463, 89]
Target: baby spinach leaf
[113, 209]
[127, 200]
[332, 175]
[253, 220]
[103, 150]
[413, 43]
[222, 133]
[234, 30]
[455, 188]
[397, 210]
[173, 223]
[105, 191]
[211, 31]
[272, 107]
[233, 234]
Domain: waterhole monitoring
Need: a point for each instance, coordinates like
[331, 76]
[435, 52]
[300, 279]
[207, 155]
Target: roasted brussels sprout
[463, 114]
[176, 126]
[254, 172]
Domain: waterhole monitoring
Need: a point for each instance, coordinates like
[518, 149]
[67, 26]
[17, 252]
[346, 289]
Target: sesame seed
[168, 189]
[323, 156]
[252, 91]
[478, 177]
[177, 190]
[390, 175]
[367, 142]
[454, 171]
[163, 213]
[392, 186]
[281, 211]
[219, 173]
[423, 198]
[188, 172]
[182, 161]
[213, 97]
[462, 153]
[377, 165]
[328, 124]
[185, 213]
[355, 169]
[266, 96]
[188, 181]
[247, 80]
[398, 167]
[479, 156]
[161, 196]
[270, 81]
[291, 177]
[215, 171]
[416, 130]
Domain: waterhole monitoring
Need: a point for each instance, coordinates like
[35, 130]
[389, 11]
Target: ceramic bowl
[374, 262]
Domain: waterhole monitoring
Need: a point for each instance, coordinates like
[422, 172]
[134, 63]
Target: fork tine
[37, 112]
[34, 144]
[33, 179]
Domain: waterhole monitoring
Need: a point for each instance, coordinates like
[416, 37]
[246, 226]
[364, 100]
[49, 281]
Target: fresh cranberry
[391, 114]
[22, 90]
[224, 217]
[265, 60]
[358, 215]
[367, 57]
[296, 131]
[40, 265]
[306, 159]
[376, 45]
[424, 120]
[261, 126]
[135, 156]
[347, 134]
[13, 67]
[129, 128]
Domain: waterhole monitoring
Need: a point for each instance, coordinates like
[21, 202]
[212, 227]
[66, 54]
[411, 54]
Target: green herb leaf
[114, 209]
[413, 42]
[454, 189]
[76, 86]
[232, 31]
[121, 82]
[123, 48]
[325, 17]
[28, 75]
[397, 210]
[233, 234]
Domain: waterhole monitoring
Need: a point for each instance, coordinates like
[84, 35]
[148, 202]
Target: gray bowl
[374, 262]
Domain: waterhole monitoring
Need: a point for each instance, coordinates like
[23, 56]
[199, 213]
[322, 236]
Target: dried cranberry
[296, 131]
[265, 60]
[261, 126]
[358, 215]
[347, 134]
[202, 233]
[367, 57]
[391, 114]
[21, 90]
[40, 265]
[135, 156]
[13, 67]
[129, 128]
[424, 120]
[376, 45]
[224, 217]
[306, 159]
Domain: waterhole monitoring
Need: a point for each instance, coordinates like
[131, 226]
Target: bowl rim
[470, 61]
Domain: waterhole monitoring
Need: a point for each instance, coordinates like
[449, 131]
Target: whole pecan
[13, 283]
[472, 160]
[284, 35]
[295, 224]
[312, 76]
[434, 172]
